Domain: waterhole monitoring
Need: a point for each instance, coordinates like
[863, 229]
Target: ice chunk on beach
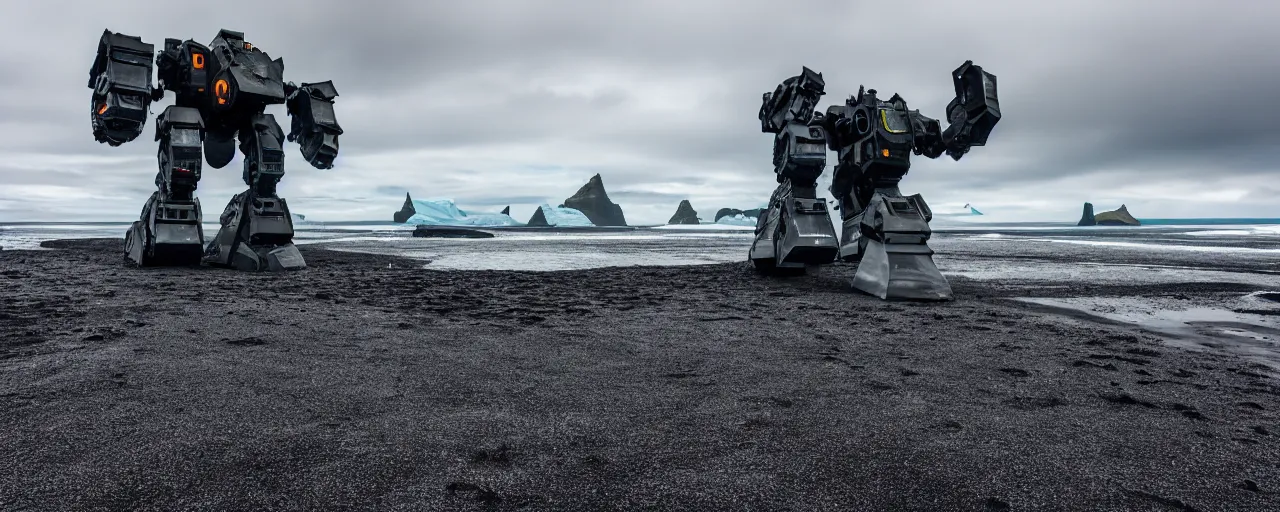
[444, 212]
[563, 216]
[737, 220]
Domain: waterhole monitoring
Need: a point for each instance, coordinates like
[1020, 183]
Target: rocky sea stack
[1117, 217]
[593, 202]
[685, 214]
[538, 218]
[1087, 219]
[406, 211]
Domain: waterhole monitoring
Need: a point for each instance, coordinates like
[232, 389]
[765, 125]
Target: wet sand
[368, 382]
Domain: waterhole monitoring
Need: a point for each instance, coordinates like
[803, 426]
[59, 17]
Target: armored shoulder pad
[121, 81]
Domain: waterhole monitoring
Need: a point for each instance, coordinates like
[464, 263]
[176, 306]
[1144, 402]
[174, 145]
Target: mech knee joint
[263, 154]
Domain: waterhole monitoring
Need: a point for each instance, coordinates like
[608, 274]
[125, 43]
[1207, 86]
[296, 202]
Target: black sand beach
[366, 382]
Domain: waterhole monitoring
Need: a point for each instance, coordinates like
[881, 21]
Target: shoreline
[368, 381]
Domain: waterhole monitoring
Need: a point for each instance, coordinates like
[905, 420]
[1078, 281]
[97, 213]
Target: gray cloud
[1168, 106]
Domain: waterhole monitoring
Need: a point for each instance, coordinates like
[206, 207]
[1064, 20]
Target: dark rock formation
[729, 212]
[1087, 218]
[684, 214]
[449, 232]
[726, 212]
[406, 211]
[506, 211]
[538, 218]
[1117, 217]
[593, 202]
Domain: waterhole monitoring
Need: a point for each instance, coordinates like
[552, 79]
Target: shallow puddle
[1249, 326]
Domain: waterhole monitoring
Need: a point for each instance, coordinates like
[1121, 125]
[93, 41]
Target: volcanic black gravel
[367, 382]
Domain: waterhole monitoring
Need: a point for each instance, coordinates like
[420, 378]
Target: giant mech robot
[885, 232]
[221, 91]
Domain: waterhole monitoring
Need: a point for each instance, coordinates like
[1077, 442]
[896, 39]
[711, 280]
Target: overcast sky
[1168, 106]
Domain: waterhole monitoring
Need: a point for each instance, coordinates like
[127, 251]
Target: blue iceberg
[559, 216]
[737, 220]
[444, 212]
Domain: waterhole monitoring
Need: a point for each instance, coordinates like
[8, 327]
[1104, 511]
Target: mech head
[810, 82]
[231, 39]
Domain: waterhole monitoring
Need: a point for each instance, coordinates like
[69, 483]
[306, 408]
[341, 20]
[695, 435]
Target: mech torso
[871, 134]
[227, 81]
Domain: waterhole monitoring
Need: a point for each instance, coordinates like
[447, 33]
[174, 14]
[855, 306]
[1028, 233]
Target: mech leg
[257, 231]
[795, 231]
[887, 235]
[169, 231]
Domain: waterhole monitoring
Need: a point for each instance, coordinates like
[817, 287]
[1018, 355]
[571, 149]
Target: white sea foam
[704, 227]
[1261, 230]
[1158, 247]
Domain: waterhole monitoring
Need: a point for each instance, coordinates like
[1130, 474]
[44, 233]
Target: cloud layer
[1167, 106]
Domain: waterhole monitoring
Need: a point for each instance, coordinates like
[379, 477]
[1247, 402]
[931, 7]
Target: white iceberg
[444, 212]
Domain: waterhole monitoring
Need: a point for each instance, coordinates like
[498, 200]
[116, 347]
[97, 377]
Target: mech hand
[974, 111]
[314, 125]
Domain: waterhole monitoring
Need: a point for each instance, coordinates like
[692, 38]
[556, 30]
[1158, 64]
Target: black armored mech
[221, 93]
[885, 232]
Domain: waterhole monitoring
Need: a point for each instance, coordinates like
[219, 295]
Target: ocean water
[964, 248]
[1205, 222]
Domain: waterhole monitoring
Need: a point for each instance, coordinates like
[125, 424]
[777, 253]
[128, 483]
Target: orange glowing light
[248, 46]
[197, 60]
[884, 152]
[102, 109]
[220, 89]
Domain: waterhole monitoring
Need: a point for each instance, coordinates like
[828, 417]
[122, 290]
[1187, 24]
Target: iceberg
[737, 220]
[559, 216]
[444, 212]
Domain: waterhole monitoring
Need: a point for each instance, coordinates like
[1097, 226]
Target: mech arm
[972, 114]
[314, 126]
[788, 112]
